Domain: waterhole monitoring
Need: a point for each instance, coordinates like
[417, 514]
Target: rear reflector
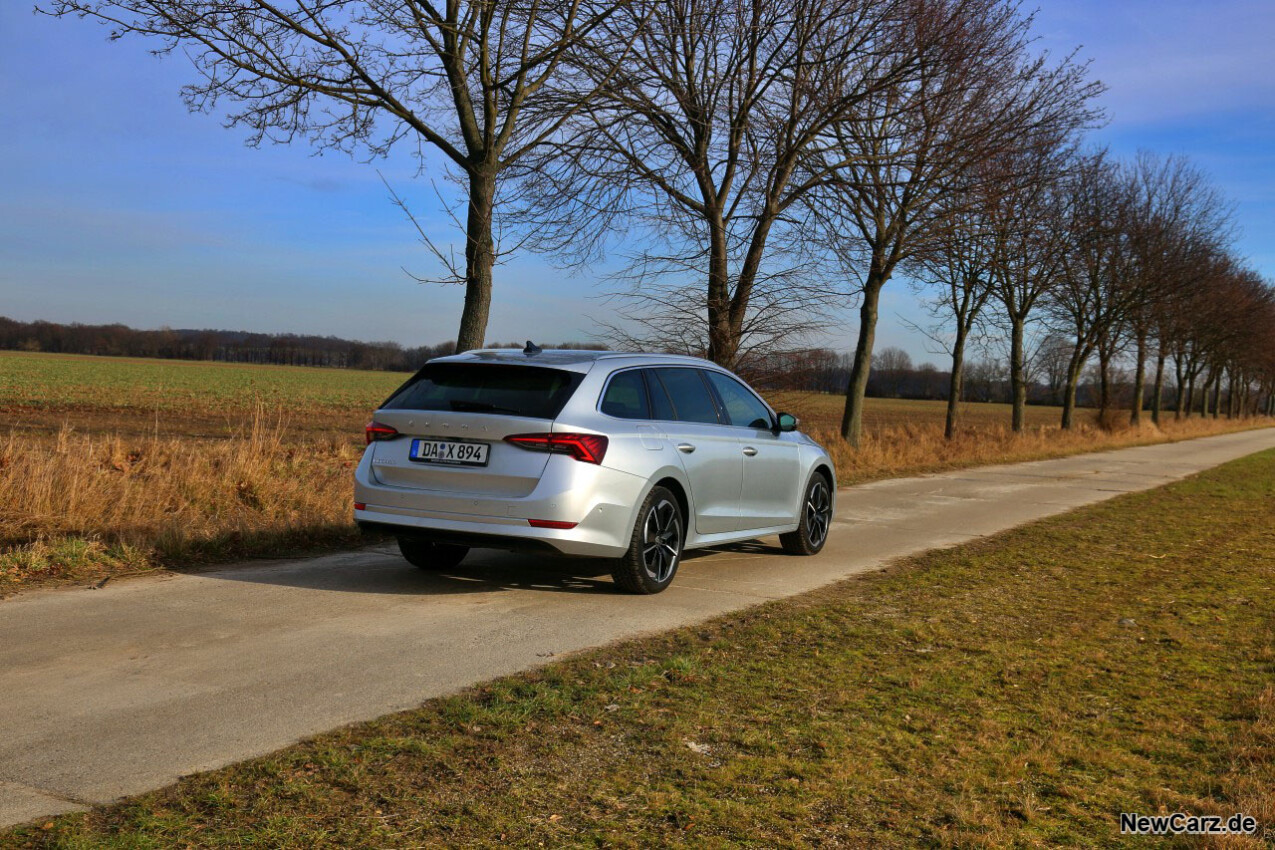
[360, 506]
[590, 448]
[379, 431]
[550, 523]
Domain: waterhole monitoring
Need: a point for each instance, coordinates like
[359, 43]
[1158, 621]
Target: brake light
[378, 431]
[590, 448]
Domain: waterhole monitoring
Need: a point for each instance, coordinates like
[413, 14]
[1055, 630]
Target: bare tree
[1175, 217]
[1052, 356]
[895, 367]
[483, 82]
[1094, 295]
[1027, 226]
[956, 263]
[696, 154]
[977, 94]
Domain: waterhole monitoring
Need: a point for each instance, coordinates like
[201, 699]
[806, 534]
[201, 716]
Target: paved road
[110, 692]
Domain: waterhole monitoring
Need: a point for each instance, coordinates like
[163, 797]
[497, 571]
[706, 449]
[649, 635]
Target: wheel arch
[683, 501]
[825, 469]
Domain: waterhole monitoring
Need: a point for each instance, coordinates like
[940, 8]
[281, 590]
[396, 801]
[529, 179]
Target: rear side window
[529, 391]
[661, 407]
[689, 394]
[742, 407]
[625, 396]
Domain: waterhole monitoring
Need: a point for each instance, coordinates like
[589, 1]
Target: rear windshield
[529, 391]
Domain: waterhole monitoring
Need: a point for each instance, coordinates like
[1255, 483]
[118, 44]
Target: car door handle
[685, 448]
[750, 451]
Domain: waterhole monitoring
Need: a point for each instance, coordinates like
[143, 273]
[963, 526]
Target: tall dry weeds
[75, 505]
[159, 500]
[919, 447]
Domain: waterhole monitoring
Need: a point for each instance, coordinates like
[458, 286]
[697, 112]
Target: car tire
[427, 555]
[816, 519]
[655, 550]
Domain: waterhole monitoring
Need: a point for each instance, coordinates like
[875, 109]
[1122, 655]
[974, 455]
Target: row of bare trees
[756, 164]
[1108, 259]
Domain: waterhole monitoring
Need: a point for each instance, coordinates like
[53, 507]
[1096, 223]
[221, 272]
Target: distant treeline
[225, 346]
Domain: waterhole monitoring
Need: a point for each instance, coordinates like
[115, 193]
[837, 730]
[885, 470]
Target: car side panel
[773, 478]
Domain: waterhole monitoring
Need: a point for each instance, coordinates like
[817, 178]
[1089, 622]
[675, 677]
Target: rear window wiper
[480, 407]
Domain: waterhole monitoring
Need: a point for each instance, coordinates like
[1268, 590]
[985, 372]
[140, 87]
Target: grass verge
[1017, 691]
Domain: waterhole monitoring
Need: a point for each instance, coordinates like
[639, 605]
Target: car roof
[574, 360]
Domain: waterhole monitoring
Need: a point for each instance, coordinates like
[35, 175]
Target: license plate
[447, 451]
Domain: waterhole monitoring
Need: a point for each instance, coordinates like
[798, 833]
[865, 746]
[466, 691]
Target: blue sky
[117, 205]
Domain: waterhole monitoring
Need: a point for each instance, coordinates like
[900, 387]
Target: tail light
[590, 448]
[378, 431]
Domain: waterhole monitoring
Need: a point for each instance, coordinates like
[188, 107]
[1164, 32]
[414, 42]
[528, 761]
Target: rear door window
[625, 396]
[530, 391]
[692, 401]
[661, 407]
[743, 408]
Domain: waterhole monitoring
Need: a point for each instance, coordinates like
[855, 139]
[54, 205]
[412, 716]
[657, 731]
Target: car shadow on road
[383, 571]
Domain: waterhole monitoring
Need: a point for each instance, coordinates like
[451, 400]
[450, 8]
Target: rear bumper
[471, 539]
[602, 502]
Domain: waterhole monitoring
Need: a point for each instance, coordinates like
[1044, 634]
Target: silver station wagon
[632, 457]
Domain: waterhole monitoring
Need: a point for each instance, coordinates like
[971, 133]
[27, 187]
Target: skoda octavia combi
[632, 457]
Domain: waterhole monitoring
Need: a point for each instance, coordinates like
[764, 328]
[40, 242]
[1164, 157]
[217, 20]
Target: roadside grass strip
[1021, 690]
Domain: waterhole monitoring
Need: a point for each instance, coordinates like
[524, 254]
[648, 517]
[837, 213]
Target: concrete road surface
[111, 692]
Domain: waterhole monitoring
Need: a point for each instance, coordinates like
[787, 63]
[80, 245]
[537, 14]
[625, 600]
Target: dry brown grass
[904, 437]
[920, 447]
[78, 505]
[110, 466]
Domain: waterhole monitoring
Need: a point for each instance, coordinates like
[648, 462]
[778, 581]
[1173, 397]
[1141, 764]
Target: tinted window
[689, 394]
[661, 407]
[487, 388]
[743, 408]
[625, 396]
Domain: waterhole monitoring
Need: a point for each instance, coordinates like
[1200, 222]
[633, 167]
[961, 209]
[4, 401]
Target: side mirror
[787, 422]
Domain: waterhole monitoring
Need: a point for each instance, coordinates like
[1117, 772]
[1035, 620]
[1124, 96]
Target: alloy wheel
[661, 540]
[818, 512]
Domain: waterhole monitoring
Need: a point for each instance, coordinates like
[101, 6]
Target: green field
[1018, 691]
[133, 395]
[62, 380]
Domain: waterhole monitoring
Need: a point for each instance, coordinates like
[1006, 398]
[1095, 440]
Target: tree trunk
[1178, 402]
[721, 349]
[480, 258]
[1158, 398]
[852, 417]
[1104, 384]
[1139, 382]
[1075, 365]
[748, 270]
[956, 384]
[1017, 375]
